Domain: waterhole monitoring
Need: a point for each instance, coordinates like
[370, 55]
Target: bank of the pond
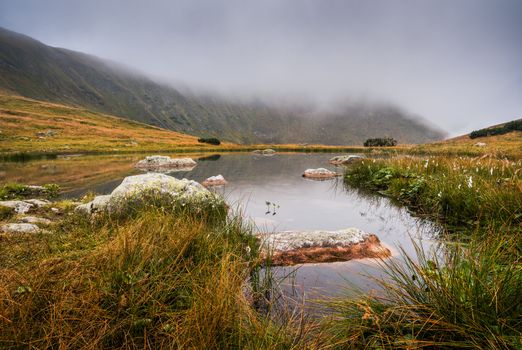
[153, 278]
[466, 295]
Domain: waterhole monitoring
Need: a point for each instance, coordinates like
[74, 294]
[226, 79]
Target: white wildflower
[470, 182]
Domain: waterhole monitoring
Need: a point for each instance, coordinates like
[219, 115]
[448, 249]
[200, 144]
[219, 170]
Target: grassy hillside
[32, 69]
[505, 145]
[33, 126]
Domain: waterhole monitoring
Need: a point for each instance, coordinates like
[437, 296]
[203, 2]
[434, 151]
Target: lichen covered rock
[20, 228]
[153, 188]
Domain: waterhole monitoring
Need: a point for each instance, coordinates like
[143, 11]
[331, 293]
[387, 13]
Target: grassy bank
[150, 279]
[463, 193]
[463, 295]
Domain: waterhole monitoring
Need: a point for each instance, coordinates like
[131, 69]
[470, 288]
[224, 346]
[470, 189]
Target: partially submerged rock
[218, 180]
[299, 247]
[20, 228]
[265, 152]
[165, 163]
[319, 173]
[348, 159]
[152, 187]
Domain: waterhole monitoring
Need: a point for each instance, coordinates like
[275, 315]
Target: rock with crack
[217, 180]
[20, 228]
[166, 164]
[299, 247]
[153, 188]
[349, 159]
[319, 173]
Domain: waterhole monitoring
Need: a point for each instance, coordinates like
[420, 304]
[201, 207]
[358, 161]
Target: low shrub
[515, 125]
[380, 142]
[210, 140]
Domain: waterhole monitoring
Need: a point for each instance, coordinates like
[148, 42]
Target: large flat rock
[319, 246]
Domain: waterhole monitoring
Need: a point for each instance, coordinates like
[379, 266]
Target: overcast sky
[457, 63]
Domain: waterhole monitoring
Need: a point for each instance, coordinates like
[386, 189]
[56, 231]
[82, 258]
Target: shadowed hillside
[32, 69]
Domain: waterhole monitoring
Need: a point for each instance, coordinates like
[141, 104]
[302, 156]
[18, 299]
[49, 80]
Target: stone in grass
[35, 220]
[162, 187]
[19, 207]
[22, 207]
[300, 247]
[320, 173]
[20, 228]
[165, 164]
[217, 180]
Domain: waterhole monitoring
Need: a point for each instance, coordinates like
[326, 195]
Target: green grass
[463, 295]
[12, 191]
[460, 192]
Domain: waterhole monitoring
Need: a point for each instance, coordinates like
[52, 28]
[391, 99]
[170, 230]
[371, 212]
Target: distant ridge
[32, 69]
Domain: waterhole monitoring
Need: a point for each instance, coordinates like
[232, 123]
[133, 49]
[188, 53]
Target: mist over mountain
[33, 69]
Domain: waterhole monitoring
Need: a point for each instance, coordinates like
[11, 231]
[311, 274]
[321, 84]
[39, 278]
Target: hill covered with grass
[28, 125]
[32, 69]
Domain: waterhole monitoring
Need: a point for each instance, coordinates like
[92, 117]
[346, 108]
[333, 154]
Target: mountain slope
[28, 125]
[32, 69]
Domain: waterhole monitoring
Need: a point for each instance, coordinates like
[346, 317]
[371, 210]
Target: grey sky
[458, 63]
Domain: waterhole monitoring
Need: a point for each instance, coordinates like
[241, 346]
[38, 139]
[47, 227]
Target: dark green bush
[380, 142]
[210, 140]
[515, 125]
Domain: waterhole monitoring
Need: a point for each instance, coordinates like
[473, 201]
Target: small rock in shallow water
[299, 247]
[165, 163]
[218, 180]
[320, 173]
[265, 152]
[20, 228]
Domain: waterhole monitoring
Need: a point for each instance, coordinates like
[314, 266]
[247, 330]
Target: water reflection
[254, 180]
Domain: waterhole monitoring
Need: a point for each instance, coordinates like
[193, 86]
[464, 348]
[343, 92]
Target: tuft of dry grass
[155, 280]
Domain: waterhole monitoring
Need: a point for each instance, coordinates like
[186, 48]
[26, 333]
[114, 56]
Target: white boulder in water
[152, 186]
[297, 247]
[319, 173]
[217, 180]
[165, 163]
